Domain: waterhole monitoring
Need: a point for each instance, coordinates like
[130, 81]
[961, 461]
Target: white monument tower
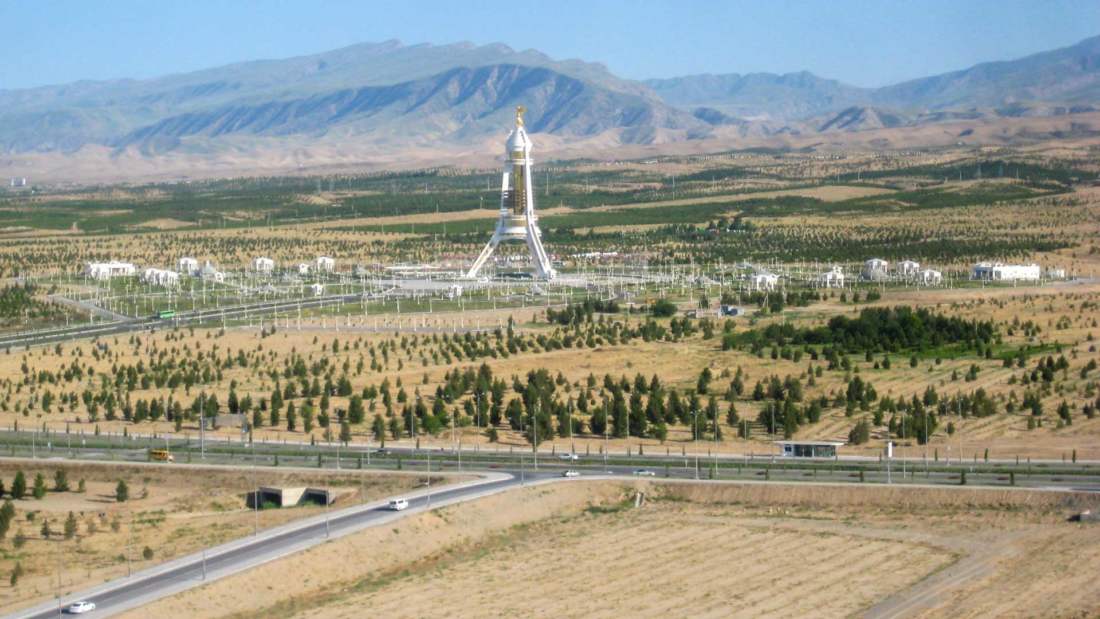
[518, 221]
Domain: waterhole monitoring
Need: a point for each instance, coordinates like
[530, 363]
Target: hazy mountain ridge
[273, 97]
[391, 100]
[1055, 82]
[458, 104]
[786, 96]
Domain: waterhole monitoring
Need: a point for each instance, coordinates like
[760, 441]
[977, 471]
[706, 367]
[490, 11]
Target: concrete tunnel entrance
[277, 496]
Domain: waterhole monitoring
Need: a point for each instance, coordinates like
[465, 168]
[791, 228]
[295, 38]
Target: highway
[220, 561]
[497, 475]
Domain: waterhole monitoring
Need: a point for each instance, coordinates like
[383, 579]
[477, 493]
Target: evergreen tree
[19, 486]
[378, 430]
[860, 433]
[619, 414]
[7, 515]
[39, 486]
[122, 491]
[60, 481]
[731, 415]
[704, 381]
[291, 417]
[356, 413]
[70, 526]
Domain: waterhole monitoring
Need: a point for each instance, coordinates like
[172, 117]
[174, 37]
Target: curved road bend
[236, 556]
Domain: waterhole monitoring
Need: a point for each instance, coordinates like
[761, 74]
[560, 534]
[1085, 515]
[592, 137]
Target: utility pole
[202, 427]
[59, 579]
[255, 497]
[130, 548]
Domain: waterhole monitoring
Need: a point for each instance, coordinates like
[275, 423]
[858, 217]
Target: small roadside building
[1000, 272]
[808, 449]
[833, 278]
[930, 277]
[908, 268]
[106, 270]
[324, 264]
[303, 268]
[210, 273]
[188, 266]
[263, 265]
[875, 269]
[764, 281]
[160, 277]
[317, 289]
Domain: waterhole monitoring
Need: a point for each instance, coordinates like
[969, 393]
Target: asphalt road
[187, 572]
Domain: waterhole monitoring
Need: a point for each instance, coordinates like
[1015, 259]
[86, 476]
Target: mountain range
[389, 101]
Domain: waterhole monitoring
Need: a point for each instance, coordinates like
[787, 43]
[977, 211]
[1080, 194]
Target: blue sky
[862, 42]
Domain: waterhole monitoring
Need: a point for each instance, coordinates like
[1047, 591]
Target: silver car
[81, 607]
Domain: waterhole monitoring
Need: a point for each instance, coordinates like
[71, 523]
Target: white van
[399, 504]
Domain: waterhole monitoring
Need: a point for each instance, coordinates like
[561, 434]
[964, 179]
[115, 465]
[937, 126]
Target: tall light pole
[130, 548]
[255, 497]
[59, 578]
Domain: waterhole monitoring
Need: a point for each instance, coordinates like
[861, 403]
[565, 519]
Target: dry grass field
[582, 549]
[171, 511]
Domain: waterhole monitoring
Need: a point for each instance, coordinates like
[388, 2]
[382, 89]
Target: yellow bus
[161, 455]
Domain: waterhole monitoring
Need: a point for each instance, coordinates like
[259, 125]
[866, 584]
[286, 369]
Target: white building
[303, 268]
[209, 272]
[875, 269]
[263, 265]
[324, 264]
[833, 278]
[999, 272]
[763, 281]
[160, 277]
[107, 270]
[189, 266]
[454, 292]
[1055, 273]
[908, 268]
[317, 289]
[930, 277]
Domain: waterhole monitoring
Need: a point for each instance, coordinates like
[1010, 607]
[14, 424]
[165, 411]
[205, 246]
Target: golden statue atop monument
[519, 115]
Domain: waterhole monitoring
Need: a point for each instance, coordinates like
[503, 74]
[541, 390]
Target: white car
[644, 473]
[569, 457]
[81, 607]
[399, 504]
[571, 473]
